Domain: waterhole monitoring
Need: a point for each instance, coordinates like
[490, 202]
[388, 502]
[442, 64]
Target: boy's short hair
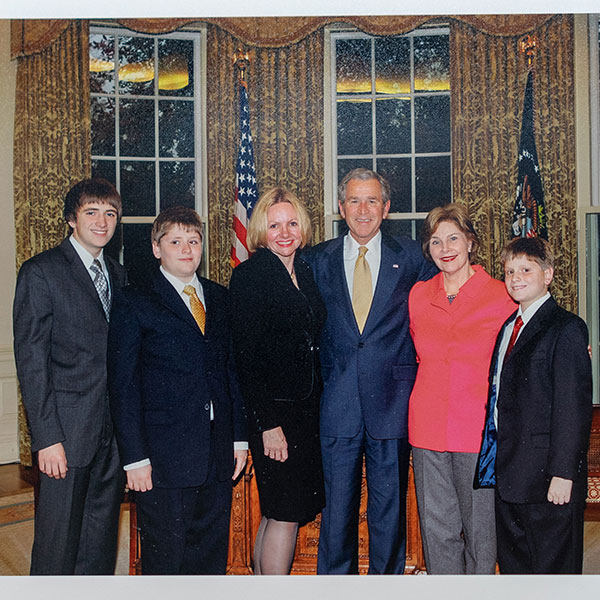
[90, 190]
[258, 225]
[534, 248]
[188, 218]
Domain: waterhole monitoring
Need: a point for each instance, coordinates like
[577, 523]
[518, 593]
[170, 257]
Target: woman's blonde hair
[258, 225]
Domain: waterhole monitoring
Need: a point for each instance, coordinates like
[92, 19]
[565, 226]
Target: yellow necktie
[362, 289]
[197, 307]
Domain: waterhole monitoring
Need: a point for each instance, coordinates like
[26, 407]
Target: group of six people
[317, 359]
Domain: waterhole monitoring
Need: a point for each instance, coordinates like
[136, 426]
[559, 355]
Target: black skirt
[292, 490]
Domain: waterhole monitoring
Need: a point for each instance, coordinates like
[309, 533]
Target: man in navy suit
[61, 309]
[176, 405]
[369, 367]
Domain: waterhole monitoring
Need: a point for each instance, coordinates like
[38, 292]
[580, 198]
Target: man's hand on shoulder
[559, 491]
[140, 479]
[52, 461]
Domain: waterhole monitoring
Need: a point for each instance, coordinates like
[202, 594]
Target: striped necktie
[101, 286]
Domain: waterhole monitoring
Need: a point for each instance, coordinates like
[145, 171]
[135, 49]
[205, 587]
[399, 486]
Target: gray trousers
[457, 522]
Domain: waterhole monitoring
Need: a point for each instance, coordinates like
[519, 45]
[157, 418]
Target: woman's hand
[275, 444]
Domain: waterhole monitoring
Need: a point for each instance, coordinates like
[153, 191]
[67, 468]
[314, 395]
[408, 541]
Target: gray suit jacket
[60, 337]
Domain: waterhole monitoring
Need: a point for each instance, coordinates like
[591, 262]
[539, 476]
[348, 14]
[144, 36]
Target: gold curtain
[488, 77]
[29, 36]
[285, 89]
[52, 148]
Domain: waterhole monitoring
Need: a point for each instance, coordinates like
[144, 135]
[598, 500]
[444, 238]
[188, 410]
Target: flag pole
[246, 190]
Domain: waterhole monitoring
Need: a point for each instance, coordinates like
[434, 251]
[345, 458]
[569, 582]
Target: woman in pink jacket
[454, 320]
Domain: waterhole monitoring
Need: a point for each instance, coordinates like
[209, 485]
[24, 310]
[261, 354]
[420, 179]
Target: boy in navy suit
[176, 405]
[538, 424]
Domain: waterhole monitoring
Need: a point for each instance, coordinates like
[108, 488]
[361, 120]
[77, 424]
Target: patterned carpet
[16, 536]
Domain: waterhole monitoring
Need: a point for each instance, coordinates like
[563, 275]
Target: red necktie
[513, 337]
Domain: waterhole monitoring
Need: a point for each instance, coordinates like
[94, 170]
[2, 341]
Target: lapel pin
[394, 266]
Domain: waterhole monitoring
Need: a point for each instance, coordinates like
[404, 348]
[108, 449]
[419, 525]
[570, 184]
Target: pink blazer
[454, 344]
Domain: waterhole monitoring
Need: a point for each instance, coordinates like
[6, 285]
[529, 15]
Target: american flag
[529, 215]
[246, 190]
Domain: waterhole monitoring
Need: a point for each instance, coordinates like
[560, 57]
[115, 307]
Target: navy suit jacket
[544, 409]
[163, 373]
[368, 377]
[60, 333]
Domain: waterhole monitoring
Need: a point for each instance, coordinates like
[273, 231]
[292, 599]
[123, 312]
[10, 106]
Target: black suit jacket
[163, 375]
[276, 331]
[544, 407]
[60, 333]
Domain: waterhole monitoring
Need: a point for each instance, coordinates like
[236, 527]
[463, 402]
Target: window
[390, 111]
[146, 102]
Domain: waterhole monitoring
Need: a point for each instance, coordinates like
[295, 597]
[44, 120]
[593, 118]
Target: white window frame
[331, 209]
[198, 36]
[587, 122]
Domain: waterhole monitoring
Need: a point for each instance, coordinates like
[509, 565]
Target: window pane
[103, 126]
[402, 228]
[176, 128]
[393, 126]
[177, 184]
[432, 124]
[136, 65]
[175, 67]
[137, 253]
[102, 63]
[105, 169]
[354, 127]
[392, 65]
[136, 122]
[397, 171]
[432, 63]
[433, 182]
[346, 165]
[353, 66]
[138, 188]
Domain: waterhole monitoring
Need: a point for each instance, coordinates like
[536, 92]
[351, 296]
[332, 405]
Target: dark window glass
[353, 66]
[392, 65]
[176, 128]
[393, 126]
[104, 169]
[432, 63]
[136, 65]
[398, 173]
[432, 124]
[102, 63]
[402, 228]
[176, 184]
[137, 253]
[175, 67]
[103, 126]
[138, 188]
[354, 127]
[346, 165]
[433, 182]
[136, 127]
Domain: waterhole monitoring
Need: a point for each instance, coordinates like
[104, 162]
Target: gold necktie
[362, 289]
[197, 307]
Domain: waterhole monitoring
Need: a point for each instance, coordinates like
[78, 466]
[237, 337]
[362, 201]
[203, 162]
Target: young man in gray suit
[61, 311]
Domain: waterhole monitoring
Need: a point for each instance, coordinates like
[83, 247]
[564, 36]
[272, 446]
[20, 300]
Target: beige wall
[8, 384]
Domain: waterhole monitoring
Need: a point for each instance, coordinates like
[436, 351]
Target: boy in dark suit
[538, 423]
[176, 405]
[62, 303]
